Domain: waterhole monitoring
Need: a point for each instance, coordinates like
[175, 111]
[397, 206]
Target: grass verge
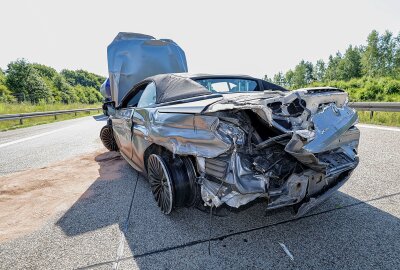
[14, 124]
[6, 108]
[13, 108]
[380, 118]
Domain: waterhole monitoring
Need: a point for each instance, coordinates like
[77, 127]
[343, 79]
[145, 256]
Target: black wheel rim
[160, 182]
[107, 137]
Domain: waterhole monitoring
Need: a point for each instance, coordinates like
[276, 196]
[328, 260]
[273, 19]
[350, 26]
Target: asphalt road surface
[357, 228]
[38, 146]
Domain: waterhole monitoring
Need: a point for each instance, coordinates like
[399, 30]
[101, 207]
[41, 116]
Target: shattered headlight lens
[231, 133]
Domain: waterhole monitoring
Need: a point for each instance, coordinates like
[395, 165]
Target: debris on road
[286, 251]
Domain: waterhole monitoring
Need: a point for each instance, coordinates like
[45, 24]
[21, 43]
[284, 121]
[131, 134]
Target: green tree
[371, 56]
[2, 77]
[82, 77]
[289, 78]
[331, 73]
[396, 60]
[350, 65]
[87, 95]
[319, 70]
[388, 49]
[25, 83]
[37, 89]
[279, 79]
[5, 93]
[302, 74]
[67, 93]
[45, 71]
[367, 73]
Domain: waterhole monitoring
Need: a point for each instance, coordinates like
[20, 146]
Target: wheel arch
[154, 149]
[186, 190]
[161, 150]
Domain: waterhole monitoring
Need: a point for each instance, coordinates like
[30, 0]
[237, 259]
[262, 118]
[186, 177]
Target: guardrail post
[75, 113]
[21, 122]
[371, 114]
[55, 117]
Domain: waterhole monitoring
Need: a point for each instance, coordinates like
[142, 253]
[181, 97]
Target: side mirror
[108, 104]
[109, 108]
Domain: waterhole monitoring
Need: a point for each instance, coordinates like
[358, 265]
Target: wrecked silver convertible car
[228, 140]
[290, 148]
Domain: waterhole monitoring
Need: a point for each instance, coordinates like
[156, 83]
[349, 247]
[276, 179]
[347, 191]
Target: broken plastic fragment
[286, 251]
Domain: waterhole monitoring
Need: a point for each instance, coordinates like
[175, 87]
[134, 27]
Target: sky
[240, 37]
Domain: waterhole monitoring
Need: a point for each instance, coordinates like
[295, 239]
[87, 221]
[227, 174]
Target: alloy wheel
[161, 183]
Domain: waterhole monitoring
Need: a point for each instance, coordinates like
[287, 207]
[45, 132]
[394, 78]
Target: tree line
[36, 83]
[367, 72]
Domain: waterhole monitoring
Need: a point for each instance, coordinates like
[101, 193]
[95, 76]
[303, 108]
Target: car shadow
[104, 203]
[343, 232]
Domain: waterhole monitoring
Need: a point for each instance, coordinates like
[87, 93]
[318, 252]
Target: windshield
[221, 85]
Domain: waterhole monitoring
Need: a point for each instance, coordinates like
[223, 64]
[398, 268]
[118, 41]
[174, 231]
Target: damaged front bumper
[310, 201]
[281, 153]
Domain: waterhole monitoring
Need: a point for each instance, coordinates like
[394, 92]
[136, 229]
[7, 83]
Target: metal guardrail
[22, 116]
[376, 107]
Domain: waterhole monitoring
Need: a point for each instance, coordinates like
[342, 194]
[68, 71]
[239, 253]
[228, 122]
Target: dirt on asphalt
[29, 198]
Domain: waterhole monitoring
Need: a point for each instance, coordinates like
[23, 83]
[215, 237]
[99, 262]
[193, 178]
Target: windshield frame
[227, 78]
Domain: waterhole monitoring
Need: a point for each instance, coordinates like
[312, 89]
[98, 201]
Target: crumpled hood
[133, 57]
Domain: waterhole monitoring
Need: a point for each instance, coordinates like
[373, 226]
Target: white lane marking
[378, 127]
[33, 137]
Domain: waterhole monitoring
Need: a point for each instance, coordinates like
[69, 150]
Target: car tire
[187, 190]
[173, 181]
[107, 138]
[161, 183]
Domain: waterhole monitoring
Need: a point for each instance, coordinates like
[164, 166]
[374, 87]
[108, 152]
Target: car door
[122, 122]
[141, 122]
[122, 125]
